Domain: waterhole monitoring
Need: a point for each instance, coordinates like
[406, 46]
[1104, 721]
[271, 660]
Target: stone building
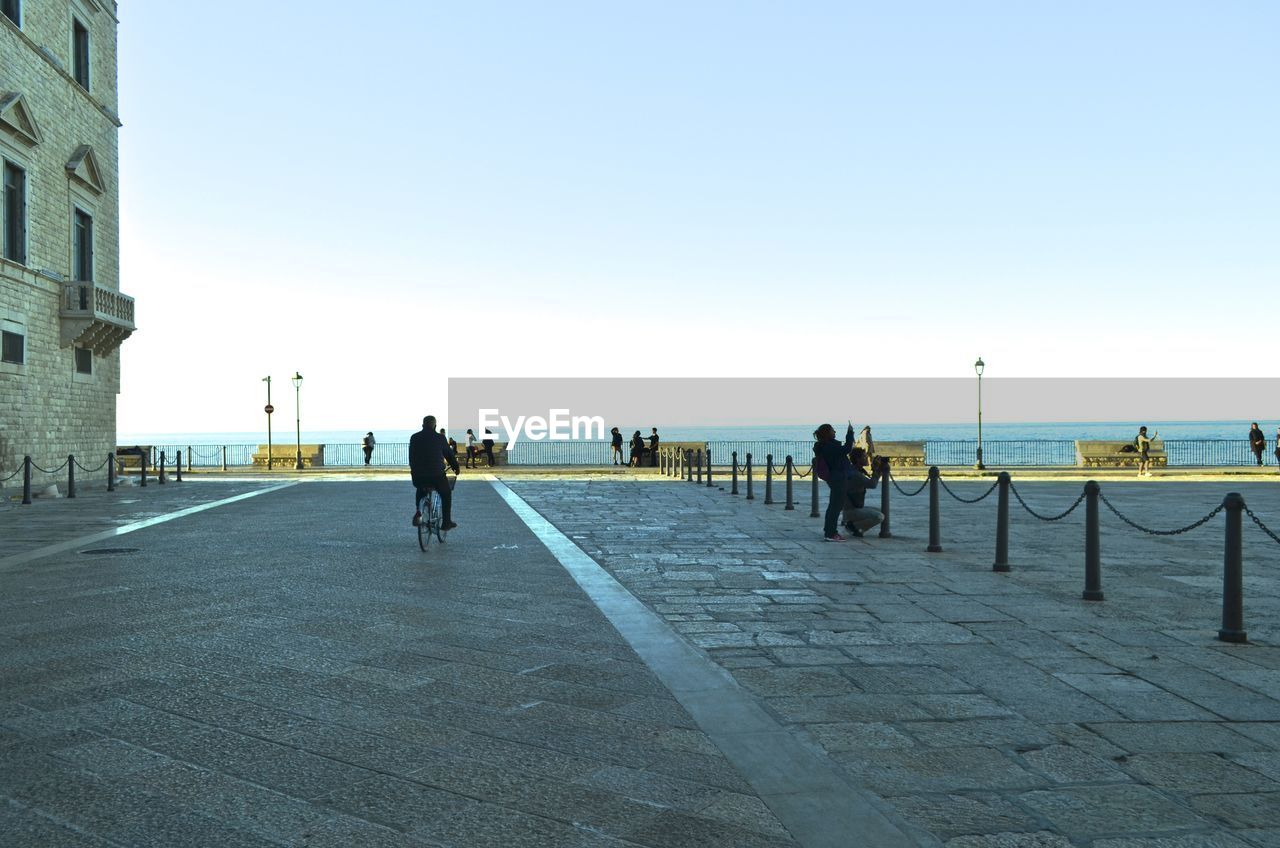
[62, 314]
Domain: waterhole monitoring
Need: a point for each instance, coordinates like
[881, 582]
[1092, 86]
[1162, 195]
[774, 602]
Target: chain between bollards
[884, 497]
[1233, 572]
[791, 504]
[768, 479]
[1002, 523]
[1092, 544]
[935, 531]
[71, 475]
[734, 489]
[750, 494]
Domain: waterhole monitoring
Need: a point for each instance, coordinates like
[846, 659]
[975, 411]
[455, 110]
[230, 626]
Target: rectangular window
[84, 360]
[83, 259]
[12, 9]
[15, 213]
[12, 347]
[80, 53]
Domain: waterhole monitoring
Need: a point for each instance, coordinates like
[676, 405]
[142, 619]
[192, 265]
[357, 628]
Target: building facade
[62, 314]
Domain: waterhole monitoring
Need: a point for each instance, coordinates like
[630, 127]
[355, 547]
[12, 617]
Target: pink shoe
[836, 538]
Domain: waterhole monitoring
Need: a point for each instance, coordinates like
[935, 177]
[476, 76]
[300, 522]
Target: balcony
[95, 317]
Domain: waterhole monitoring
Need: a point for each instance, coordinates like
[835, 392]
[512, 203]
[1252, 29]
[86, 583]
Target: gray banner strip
[818, 806]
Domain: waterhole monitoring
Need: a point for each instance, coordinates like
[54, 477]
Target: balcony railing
[95, 317]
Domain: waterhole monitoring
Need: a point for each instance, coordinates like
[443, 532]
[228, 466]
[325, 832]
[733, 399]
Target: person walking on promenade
[835, 456]
[1257, 442]
[472, 441]
[1143, 443]
[858, 517]
[1278, 448]
[653, 448]
[617, 446]
[428, 453]
[368, 443]
[637, 449]
[487, 444]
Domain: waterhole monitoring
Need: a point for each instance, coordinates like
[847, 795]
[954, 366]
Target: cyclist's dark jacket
[428, 452]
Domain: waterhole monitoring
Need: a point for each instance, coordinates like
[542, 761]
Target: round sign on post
[269, 409]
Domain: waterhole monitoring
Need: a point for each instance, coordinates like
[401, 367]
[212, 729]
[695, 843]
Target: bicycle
[431, 521]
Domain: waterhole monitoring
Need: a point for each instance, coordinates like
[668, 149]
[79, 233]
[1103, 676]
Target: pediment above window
[16, 118]
[83, 168]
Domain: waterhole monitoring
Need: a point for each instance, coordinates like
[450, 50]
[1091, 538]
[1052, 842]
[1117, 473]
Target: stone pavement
[291, 670]
[991, 709]
[288, 669]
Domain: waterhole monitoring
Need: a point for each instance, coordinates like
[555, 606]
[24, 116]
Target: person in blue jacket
[836, 457]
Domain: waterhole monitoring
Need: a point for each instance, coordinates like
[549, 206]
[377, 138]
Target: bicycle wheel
[437, 513]
[424, 523]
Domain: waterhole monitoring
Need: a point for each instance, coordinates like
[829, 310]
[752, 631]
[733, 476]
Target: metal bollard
[224, 457]
[699, 480]
[688, 460]
[26, 480]
[1092, 545]
[935, 531]
[178, 468]
[188, 459]
[813, 492]
[885, 485]
[1233, 573]
[734, 489]
[750, 495]
[160, 477]
[71, 475]
[708, 468]
[1002, 523]
[791, 504]
[111, 472]
[768, 479]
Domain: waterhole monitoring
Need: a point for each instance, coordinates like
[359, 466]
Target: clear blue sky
[382, 196]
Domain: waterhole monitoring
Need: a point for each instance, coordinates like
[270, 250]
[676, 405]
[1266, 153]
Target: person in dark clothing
[836, 457]
[637, 449]
[1278, 446]
[858, 517]
[487, 444]
[617, 446]
[472, 441]
[1257, 442]
[428, 453]
[368, 444]
[653, 448]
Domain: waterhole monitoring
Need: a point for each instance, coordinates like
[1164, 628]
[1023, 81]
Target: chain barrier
[217, 454]
[1058, 517]
[35, 467]
[1264, 528]
[798, 474]
[903, 491]
[11, 476]
[983, 496]
[88, 470]
[1136, 526]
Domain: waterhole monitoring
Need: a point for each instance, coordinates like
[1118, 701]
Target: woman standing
[1257, 442]
[617, 446]
[836, 457]
[1143, 443]
[637, 449]
[472, 441]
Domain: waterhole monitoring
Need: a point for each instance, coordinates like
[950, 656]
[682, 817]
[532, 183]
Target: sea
[1188, 443]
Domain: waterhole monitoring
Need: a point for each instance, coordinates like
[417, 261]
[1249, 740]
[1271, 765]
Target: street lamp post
[978, 366]
[269, 409]
[297, 406]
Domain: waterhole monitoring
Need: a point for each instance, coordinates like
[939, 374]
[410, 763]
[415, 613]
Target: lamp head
[297, 380]
[979, 365]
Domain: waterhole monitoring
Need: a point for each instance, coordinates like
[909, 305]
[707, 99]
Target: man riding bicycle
[428, 452]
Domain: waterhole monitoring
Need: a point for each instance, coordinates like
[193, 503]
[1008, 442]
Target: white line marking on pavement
[80, 541]
[820, 808]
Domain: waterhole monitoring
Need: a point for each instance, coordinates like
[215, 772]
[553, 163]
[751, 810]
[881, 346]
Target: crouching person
[857, 516]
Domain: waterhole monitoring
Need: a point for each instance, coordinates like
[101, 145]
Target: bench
[1099, 453]
[130, 458]
[902, 454]
[499, 454]
[286, 456]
